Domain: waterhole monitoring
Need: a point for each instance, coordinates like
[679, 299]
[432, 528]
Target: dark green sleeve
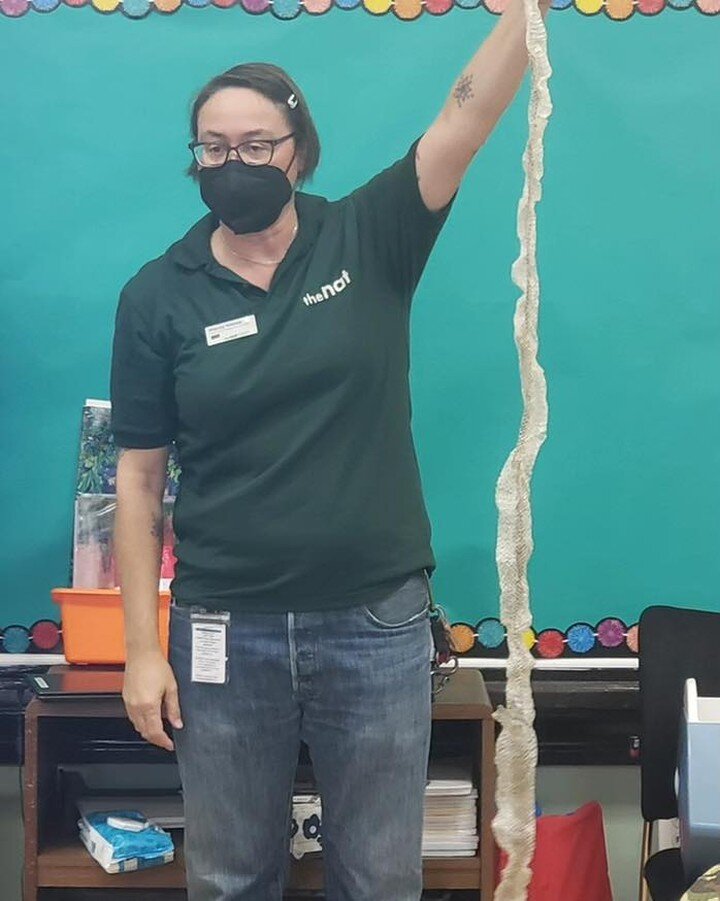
[141, 385]
[395, 228]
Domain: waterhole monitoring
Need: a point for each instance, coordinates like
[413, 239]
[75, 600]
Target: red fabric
[570, 860]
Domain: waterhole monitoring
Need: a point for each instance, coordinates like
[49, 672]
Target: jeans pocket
[406, 605]
[180, 639]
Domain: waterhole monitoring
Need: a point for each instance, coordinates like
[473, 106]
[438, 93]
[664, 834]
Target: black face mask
[246, 198]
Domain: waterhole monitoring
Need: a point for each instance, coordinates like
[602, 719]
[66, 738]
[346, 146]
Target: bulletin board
[627, 488]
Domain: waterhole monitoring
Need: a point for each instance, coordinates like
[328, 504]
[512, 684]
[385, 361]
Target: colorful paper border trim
[43, 637]
[608, 638]
[407, 10]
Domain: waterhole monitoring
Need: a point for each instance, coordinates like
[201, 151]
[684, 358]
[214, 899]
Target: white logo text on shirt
[329, 290]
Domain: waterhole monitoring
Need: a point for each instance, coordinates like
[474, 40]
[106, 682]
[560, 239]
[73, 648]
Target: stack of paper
[450, 823]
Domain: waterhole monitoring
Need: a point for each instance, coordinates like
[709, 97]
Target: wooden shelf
[464, 697]
[55, 858]
[438, 873]
[70, 866]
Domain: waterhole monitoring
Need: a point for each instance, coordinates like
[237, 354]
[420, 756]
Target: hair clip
[292, 101]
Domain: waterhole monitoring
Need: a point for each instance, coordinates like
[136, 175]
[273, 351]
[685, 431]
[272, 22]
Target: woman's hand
[150, 685]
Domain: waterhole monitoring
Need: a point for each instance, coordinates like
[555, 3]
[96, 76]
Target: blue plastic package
[119, 850]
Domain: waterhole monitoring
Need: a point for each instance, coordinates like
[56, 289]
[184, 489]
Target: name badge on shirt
[231, 330]
[209, 648]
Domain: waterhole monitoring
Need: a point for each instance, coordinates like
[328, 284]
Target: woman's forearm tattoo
[157, 528]
[463, 90]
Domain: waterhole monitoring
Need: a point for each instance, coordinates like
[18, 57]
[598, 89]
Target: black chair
[675, 645]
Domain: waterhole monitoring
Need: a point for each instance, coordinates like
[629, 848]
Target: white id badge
[230, 330]
[209, 648]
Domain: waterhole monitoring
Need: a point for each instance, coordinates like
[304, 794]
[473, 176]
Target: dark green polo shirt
[300, 487]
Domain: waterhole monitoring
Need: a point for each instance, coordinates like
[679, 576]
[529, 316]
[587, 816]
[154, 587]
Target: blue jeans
[355, 686]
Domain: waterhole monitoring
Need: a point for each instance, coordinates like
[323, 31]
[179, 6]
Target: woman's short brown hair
[275, 84]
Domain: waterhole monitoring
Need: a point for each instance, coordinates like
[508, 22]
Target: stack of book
[450, 823]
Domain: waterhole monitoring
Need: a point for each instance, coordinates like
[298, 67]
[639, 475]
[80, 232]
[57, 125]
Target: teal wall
[627, 488]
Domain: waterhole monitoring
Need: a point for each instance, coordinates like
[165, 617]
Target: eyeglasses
[252, 153]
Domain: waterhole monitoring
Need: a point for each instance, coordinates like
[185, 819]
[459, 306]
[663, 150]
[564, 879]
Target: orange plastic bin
[93, 624]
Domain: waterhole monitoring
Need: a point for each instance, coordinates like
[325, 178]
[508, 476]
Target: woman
[271, 344]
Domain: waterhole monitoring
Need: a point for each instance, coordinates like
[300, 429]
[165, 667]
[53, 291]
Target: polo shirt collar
[193, 250]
